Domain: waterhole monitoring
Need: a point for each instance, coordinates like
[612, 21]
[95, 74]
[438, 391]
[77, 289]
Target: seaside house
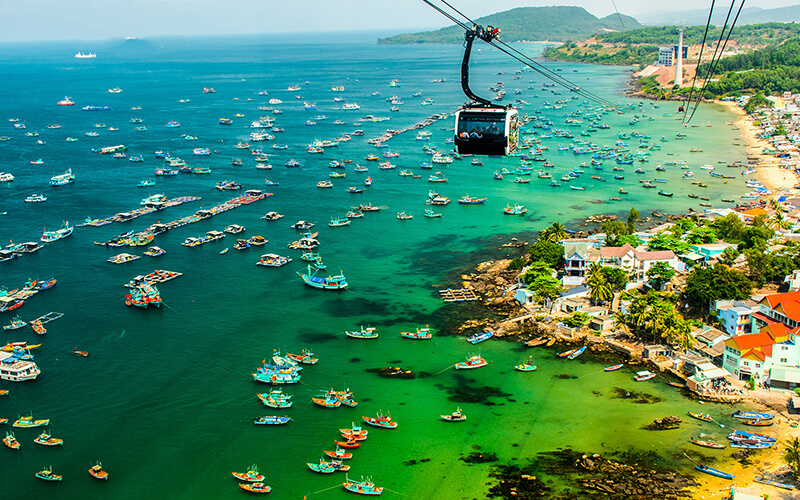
[709, 343]
[577, 256]
[734, 315]
[749, 355]
[748, 215]
[644, 260]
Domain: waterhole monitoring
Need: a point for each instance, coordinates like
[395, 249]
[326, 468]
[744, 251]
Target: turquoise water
[165, 400]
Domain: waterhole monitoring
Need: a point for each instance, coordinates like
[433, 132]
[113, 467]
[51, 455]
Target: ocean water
[166, 400]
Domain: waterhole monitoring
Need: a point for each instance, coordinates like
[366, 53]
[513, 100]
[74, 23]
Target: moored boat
[643, 375]
[338, 454]
[46, 439]
[420, 334]
[701, 416]
[708, 444]
[772, 482]
[11, 441]
[473, 361]
[251, 476]
[749, 415]
[613, 368]
[363, 487]
[97, 472]
[271, 420]
[381, 420]
[576, 352]
[255, 487]
[480, 337]
[364, 333]
[47, 475]
[456, 416]
[528, 366]
[714, 472]
[28, 422]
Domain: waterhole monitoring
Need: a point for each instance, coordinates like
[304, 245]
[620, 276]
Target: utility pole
[679, 60]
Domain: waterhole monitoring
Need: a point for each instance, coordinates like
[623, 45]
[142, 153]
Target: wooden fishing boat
[350, 443]
[339, 454]
[251, 476]
[708, 444]
[536, 342]
[576, 353]
[47, 474]
[11, 441]
[355, 431]
[700, 416]
[567, 353]
[613, 367]
[338, 282]
[46, 439]
[80, 353]
[364, 333]
[38, 327]
[420, 334]
[255, 487]
[363, 487]
[28, 421]
[714, 472]
[473, 361]
[772, 482]
[16, 322]
[551, 342]
[528, 366]
[271, 420]
[322, 467]
[381, 420]
[480, 337]
[675, 384]
[456, 416]
[305, 357]
[328, 402]
[739, 435]
[643, 375]
[97, 472]
[758, 422]
[749, 415]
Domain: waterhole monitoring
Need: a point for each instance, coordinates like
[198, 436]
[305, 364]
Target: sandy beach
[768, 171]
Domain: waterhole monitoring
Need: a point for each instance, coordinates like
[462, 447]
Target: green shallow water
[166, 401]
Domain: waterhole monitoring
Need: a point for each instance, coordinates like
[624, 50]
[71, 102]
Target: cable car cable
[725, 44]
[699, 59]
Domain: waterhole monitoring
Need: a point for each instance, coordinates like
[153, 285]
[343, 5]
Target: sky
[29, 20]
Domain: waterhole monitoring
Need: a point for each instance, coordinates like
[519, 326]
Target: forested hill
[773, 69]
[528, 23]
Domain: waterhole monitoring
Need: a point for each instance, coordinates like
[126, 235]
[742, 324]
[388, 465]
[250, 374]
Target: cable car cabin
[486, 130]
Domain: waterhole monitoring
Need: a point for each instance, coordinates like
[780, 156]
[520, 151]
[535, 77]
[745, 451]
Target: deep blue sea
[165, 400]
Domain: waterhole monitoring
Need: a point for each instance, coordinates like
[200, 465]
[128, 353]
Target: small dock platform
[157, 276]
[47, 318]
[458, 295]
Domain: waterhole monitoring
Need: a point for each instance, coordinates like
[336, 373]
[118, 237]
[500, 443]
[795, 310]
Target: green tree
[615, 227]
[702, 235]
[729, 256]
[548, 252]
[660, 273]
[633, 218]
[546, 288]
[600, 290]
[719, 282]
[536, 269]
[730, 228]
[554, 233]
[665, 241]
[578, 319]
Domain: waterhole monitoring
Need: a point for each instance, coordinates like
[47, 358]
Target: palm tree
[791, 453]
[621, 322]
[555, 233]
[599, 288]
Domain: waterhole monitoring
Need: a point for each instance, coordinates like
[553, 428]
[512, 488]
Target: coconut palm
[554, 234]
[599, 288]
[791, 453]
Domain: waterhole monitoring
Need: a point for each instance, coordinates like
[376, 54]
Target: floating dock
[458, 295]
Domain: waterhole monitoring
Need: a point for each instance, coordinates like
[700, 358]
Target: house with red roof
[772, 353]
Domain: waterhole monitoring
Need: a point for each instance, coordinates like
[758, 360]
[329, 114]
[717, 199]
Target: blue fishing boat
[271, 420]
[714, 472]
[480, 337]
[751, 436]
[577, 353]
[337, 282]
[772, 482]
[364, 333]
[749, 415]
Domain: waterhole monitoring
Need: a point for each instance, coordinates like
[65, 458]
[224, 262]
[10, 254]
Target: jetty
[47, 318]
[138, 212]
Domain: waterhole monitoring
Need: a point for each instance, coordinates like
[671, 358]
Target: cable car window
[488, 128]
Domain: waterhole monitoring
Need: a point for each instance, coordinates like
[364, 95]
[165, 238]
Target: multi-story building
[735, 316]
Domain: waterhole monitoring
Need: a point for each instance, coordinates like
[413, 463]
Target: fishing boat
[515, 210]
[16, 323]
[329, 401]
[752, 436]
[613, 368]
[28, 422]
[381, 420]
[665, 193]
[772, 482]
[473, 361]
[337, 282]
[46, 439]
[82, 354]
[63, 179]
[758, 422]
[97, 472]
[338, 454]
[404, 216]
[305, 357]
[364, 333]
[63, 232]
[429, 213]
[714, 472]
[420, 334]
[350, 443]
[749, 415]
[325, 467]
[643, 375]
[528, 366]
[708, 444]
[365, 486]
[456, 416]
[469, 200]
[11, 441]
[480, 337]
[567, 353]
[705, 417]
[255, 487]
[576, 353]
[47, 474]
[251, 476]
[271, 420]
